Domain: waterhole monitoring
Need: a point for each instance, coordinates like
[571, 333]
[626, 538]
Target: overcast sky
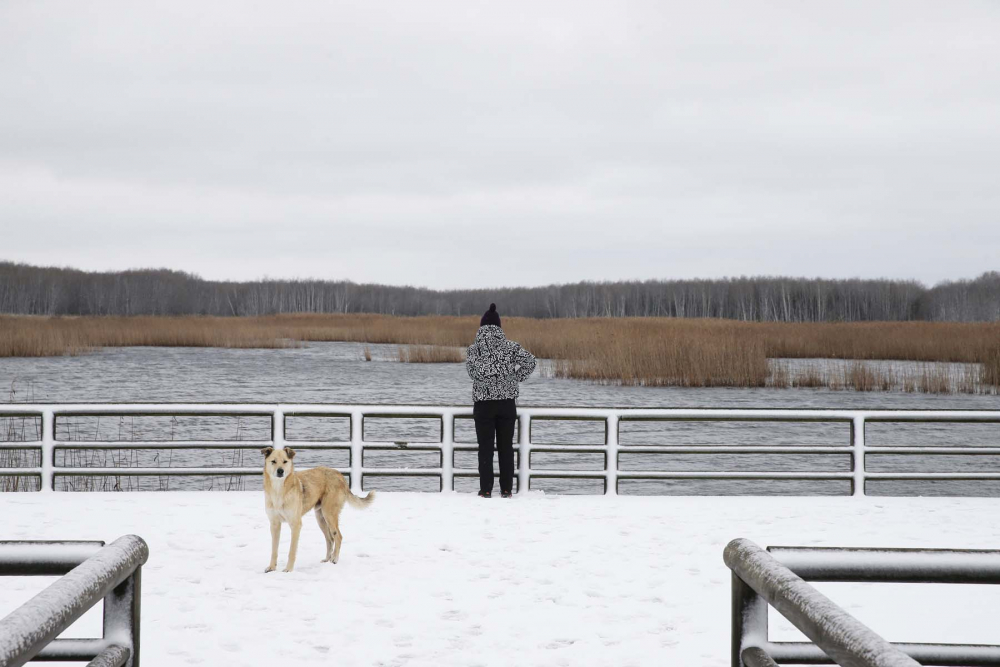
[469, 144]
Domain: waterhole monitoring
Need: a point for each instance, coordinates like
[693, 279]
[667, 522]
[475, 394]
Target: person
[497, 366]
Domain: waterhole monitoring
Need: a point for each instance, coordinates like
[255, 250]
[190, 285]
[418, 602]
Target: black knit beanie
[491, 316]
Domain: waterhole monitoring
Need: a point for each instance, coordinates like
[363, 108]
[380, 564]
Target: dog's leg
[275, 535]
[292, 550]
[325, 529]
[331, 512]
[338, 537]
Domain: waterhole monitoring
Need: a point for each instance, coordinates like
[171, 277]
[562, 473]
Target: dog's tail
[360, 502]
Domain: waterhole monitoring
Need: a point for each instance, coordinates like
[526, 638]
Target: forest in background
[33, 290]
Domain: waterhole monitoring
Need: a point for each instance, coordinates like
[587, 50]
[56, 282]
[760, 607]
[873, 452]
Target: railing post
[447, 451]
[858, 442]
[278, 429]
[524, 454]
[611, 462]
[48, 451]
[121, 616]
[749, 621]
[357, 449]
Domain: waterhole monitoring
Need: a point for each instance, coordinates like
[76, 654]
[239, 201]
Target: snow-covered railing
[446, 471]
[93, 572]
[778, 577]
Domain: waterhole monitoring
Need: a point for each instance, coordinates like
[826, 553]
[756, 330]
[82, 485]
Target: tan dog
[288, 495]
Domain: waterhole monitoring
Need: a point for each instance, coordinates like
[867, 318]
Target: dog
[288, 495]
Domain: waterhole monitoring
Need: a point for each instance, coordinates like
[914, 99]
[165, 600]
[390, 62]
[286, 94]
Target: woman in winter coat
[496, 366]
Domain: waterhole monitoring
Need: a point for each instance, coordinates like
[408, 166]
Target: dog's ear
[290, 452]
[266, 451]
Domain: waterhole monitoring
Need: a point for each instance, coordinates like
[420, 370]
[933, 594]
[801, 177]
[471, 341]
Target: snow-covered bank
[448, 579]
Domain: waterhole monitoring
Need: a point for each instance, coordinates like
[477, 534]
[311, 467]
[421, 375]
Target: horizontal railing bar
[346, 444]
[346, 410]
[731, 449]
[874, 449]
[569, 449]
[635, 449]
[623, 474]
[401, 472]
[72, 650]
[932, 475]
[568, 474]
[472, 472]
[143, 472]
[162, 444]
[946, 655]
[641, 474]
[245, 444]
[943, 566]
[27, 629]
[44, 558]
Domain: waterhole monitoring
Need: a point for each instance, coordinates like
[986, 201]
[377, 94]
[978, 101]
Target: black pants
[495, 419]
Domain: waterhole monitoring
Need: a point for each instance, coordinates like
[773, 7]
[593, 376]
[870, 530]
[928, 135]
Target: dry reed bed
[632, 351]
[430, 354]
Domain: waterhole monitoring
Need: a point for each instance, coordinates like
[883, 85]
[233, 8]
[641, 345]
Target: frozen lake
[337, 373]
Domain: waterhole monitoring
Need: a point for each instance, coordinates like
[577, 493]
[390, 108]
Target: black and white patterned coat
[497, 365]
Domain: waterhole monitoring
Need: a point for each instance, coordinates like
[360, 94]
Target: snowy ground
[448, 579]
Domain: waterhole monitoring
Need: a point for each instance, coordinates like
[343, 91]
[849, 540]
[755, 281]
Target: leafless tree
[36, 290]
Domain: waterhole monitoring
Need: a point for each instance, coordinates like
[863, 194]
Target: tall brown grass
[991, 366]
[636, 351]
[430, 354]
[30, 336]
[908, 341]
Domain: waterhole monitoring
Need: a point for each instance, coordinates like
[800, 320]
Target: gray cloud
[460, 144]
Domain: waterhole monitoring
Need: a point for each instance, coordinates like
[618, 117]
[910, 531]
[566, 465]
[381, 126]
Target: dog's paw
[325, 560]
[287, 569]
[269, 568]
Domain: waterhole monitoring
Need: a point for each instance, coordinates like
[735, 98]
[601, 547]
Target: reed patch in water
[430, 354]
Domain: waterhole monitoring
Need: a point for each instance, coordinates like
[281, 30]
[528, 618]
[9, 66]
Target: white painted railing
[612, 418]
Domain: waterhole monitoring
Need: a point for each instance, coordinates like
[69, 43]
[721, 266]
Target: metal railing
[778, 577]
[93, 572]
[612, 418]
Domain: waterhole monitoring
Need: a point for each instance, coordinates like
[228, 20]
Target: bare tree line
[32, 290]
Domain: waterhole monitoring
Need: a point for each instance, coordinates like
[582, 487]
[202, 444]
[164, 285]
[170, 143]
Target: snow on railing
[778, 577]
[93, 573]
[446, 471]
